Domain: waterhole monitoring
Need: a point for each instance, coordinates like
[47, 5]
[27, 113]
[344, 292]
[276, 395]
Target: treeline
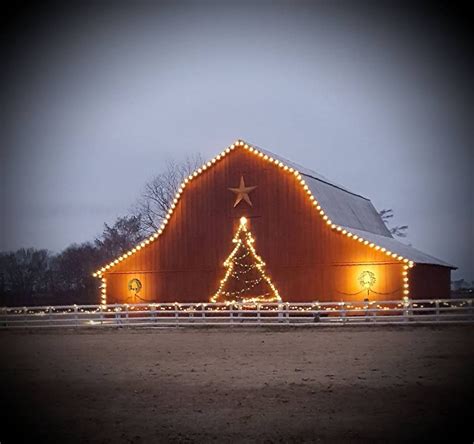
[38, 277]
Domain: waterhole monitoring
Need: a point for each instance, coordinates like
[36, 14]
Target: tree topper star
[242, 192]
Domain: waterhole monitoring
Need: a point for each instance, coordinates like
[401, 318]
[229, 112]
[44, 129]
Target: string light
[278, 163]
[103, 296]
[244, 240]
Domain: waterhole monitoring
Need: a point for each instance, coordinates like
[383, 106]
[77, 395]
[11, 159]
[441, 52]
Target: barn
[249, 225]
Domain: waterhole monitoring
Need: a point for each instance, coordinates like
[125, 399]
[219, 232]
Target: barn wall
[305, 259]
[430, 282]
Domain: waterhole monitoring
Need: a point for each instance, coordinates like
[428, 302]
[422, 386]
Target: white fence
[281, 314]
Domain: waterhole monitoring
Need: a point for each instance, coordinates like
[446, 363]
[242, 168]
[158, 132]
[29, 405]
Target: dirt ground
[334, 384]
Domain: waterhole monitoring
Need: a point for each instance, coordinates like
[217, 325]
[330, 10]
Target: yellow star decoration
[242, 192]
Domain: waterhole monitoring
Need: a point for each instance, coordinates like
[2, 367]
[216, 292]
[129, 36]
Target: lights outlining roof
[342, 231]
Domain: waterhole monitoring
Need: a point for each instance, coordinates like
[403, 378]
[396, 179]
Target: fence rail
[439, 311]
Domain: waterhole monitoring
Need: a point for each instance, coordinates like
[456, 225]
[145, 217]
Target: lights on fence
[116, 315]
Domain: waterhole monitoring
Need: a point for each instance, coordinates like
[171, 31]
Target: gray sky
[98, 96]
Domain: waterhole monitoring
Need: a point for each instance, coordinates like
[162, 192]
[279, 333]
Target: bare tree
[398, 230]
[24, 276]
[158, 194]
[118, 238]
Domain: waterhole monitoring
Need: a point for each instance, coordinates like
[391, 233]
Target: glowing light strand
[243, 239]
[408, 264]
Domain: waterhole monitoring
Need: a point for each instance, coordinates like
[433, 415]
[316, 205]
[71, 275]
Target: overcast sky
[98, 97]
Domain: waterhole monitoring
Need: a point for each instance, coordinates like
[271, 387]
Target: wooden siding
[430, 282]
[305, 259]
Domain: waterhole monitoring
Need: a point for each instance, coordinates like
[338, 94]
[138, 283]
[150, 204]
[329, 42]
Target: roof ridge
[336, 186]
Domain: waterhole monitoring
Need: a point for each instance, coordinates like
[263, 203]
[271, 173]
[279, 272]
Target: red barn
[305, 239]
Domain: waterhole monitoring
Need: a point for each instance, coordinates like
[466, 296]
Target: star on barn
[285, 233]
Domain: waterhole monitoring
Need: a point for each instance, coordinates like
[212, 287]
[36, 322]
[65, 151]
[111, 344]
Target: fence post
[76, 318]
[287, 312]
[25, 315]
[370, 316]
[126, 314]
[258, 314]
[437, 310]
[231, 313]
[343, 313]
[317, 313]
[406, 311]
[101, 311]
[176, 314]
[116, 314]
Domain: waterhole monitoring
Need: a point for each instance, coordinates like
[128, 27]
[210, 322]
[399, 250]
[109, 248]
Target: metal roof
[302, 169]
[355, 213]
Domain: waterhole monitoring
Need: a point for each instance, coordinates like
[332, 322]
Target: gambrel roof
[356, 214]
[346, 212]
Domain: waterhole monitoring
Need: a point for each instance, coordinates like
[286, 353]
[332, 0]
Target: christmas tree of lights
[245, 279]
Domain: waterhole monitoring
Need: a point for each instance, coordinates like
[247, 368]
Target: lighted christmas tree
[245, 279]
